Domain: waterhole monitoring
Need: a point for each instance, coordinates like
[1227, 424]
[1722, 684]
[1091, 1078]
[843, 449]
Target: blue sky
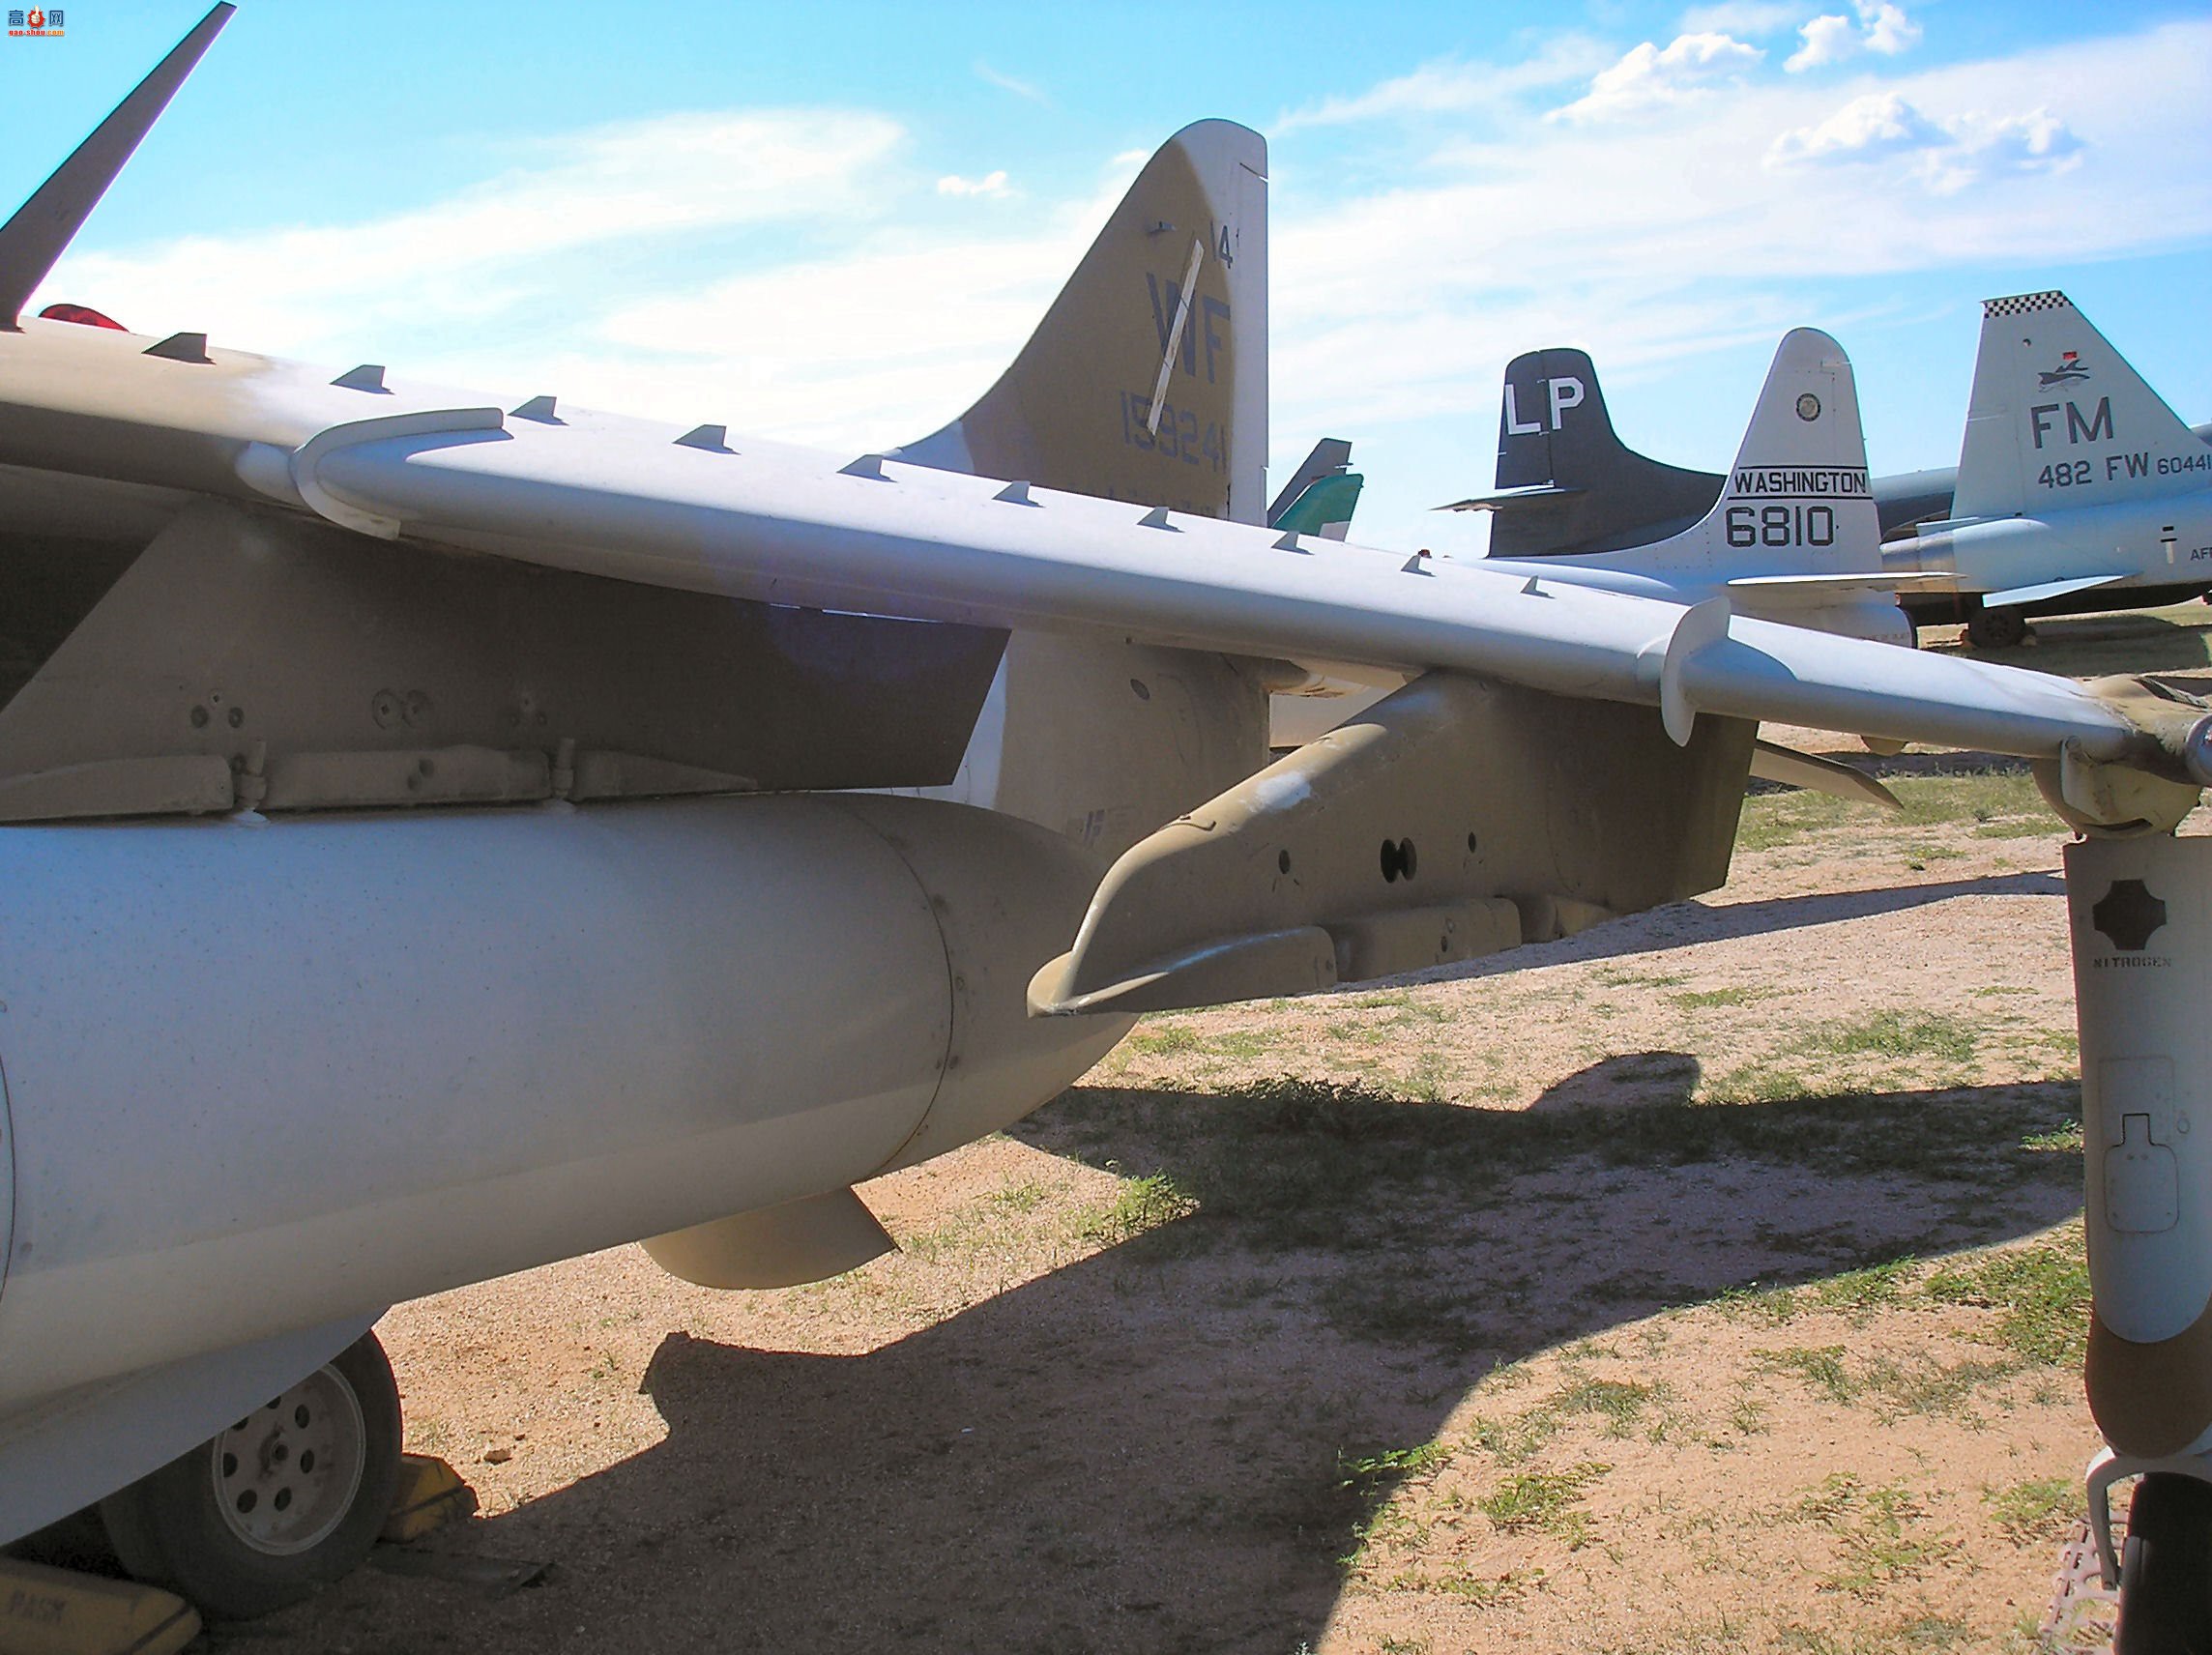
[833, 222]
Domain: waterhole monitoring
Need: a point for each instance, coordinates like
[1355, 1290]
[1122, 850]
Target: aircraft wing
[646, 506]
[881, 538]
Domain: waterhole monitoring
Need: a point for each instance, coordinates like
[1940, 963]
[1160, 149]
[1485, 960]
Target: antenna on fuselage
[44, 225]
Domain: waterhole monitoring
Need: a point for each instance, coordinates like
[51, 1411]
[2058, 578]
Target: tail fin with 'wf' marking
[2060, 418]
[1147, 379]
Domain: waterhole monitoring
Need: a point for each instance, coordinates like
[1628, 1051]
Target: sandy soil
[1710, 1281]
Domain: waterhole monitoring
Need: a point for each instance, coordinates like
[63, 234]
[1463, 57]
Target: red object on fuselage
[84, 313]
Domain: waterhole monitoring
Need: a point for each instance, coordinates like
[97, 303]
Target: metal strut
[2141, 913]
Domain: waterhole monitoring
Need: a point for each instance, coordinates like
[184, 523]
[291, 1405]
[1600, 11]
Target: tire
[1996, 629]
[2166, 1574]
[278, 1506]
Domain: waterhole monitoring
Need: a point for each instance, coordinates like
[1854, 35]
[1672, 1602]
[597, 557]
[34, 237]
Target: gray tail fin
[2060, 418]
[33, 239]
[1797, 500]
[1147, 380]
[1552, 429]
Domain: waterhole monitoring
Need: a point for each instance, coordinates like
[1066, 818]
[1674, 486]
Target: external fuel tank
[261, 1075]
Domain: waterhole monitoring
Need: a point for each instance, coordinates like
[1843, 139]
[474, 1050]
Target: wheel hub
[286, 1474]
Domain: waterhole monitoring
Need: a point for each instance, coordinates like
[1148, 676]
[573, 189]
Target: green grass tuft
[1543, 1501]
[2040, 1508]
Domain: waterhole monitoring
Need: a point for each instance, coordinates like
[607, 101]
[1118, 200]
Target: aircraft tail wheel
[1996, 629]
[2166, 1572]
[284, 1501]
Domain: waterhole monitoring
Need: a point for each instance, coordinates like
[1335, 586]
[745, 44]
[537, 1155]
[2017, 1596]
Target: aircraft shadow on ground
[1682, 923]
[1146, 1450]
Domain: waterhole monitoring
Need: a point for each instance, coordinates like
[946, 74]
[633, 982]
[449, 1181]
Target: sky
[835, 222]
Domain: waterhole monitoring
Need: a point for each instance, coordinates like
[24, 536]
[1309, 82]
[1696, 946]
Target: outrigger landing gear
[284, 1501]
[2140, 910]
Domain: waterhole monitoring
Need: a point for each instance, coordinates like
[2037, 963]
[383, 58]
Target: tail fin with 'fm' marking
[2060, 418]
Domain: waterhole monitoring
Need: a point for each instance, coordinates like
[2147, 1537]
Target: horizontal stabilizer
[1536, 494]
[1827, 588]
[44, 225]
[1816, 775]
[2048, 589]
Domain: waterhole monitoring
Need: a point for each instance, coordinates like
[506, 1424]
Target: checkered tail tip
[2024, 304]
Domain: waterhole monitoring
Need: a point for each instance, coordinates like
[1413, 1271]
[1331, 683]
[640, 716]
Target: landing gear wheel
[1996, 629]
[284, 1501]
[2166, 1572]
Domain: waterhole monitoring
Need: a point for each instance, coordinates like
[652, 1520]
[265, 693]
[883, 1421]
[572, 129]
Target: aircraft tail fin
[1332, 457]
[1553, 434]
[1321, 494]
[1324, 507]
[43, 227]
[1147, 380]
[2058, 418]
[1797, 499]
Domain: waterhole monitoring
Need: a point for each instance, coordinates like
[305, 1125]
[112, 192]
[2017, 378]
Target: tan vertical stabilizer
[1147, 381]
[1147, 378]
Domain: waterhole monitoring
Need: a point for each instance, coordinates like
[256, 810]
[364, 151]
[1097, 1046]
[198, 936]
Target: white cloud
[1888, 30]
[1988, 148]
[626, 269]
[1650, 78]
[1879, 27]
[296, 290]
[1878, 124]
[1008, 84]
[1398, 308]
[1828, 39]
[876, 343]
[1446, 86]
[992, 183]
[1949, 156]
[1753, 17]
